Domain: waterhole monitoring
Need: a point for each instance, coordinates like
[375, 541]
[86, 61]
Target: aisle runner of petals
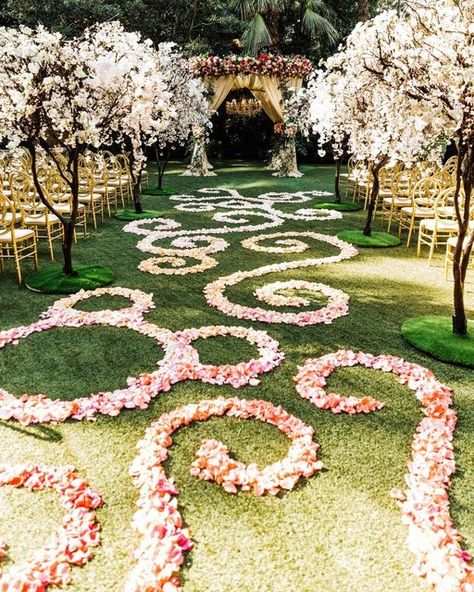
[181, 361]
[425, 505]
[74, 541]
[235, 218]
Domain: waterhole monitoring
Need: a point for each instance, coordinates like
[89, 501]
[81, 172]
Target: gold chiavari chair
[116, 178]
[15, 243]
[386, 176]
[449, 256]
[35, 215]
[401, 190]
[60, 197]
[423, 197]
[126, 174]
[92, 201]
[436, 231]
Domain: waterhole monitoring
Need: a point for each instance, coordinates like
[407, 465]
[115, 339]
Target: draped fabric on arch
[266, 89]
[220, 87]
[269, 91]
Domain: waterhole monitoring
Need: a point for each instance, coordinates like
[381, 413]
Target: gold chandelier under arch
[244, 107]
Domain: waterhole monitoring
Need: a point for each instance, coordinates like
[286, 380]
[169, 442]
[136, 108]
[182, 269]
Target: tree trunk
[337, 187]
[137, 181]
[136, 184]
[73, 181]
[362, 10]
[193, 20]
[373, 196]
[68, 240]
[462, 252]
[162, 160]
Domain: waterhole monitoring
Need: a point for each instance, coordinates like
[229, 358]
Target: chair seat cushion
[9, 216]
[440, 225]
[96, 197]
[420, 212]
[424, 201]
[66, 208]
[398, 201]
[453, 241]
[18, 234]
[41, 219]
[102, 190]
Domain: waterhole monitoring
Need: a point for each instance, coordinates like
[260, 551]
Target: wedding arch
[269, 78]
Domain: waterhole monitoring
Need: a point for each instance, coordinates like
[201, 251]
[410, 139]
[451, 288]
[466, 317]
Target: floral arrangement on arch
[265, 64]
[286, 130]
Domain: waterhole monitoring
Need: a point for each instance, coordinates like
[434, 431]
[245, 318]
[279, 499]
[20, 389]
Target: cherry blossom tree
[402, 84]
[190, 105]
[351, 108]
[426, 57]
[60, 97]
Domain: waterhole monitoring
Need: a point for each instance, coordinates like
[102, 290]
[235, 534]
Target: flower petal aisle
[286, 243]
[181, 361]
[164, 539]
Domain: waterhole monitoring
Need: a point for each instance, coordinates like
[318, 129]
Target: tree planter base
[130, 215]
[154, 191]
[54, 281]
[345, 206]
[378, 240]
[434, 336]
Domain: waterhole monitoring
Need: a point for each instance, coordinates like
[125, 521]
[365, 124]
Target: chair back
[425, 192]
[57, 190]
[7, 214]
[24, 195]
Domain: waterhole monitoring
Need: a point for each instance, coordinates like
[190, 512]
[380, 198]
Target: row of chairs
[419, 200]
[105, 183]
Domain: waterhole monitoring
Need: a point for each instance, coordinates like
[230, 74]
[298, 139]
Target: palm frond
[264, 5]
[246, 8]
[314, 23]
[320, 7]
[249, 8]
[256, 35]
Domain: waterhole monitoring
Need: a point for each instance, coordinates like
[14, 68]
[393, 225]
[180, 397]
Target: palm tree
[263, 21]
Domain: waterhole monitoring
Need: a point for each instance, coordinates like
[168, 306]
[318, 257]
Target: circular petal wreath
[285, 243]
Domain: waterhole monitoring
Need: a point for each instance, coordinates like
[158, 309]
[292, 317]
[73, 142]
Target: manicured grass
[377, 240]
[154, 191]
[434, 335]
[345, 206]
[337, 532]
[129, 215]
[53, 280]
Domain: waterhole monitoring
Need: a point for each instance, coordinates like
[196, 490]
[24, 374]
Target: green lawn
[339, 531]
